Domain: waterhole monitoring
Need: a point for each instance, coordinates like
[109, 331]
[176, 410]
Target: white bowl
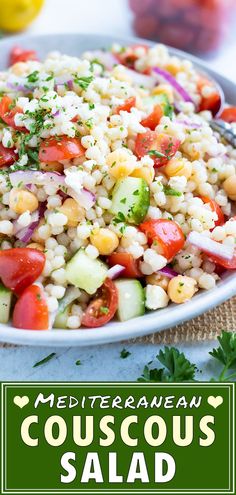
[74, 44]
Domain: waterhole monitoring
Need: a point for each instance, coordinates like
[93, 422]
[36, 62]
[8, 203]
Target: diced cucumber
[86, 273]
[5, 304]
[130, 200]
[72, 293]
[61, 318]
[131, 299]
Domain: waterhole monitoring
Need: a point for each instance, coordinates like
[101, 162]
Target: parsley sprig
[177, 368]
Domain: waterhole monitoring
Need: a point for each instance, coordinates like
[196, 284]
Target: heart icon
[21, 401]
[215, 401]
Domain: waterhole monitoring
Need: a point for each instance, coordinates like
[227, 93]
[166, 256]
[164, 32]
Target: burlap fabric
[204, 327]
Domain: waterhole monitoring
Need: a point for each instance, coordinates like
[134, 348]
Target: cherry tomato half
[153, 119]
[211, 102]
[166, 233]
[216, 209]
[103, 307]
[228, 114]
[20, 267]
[126, 260]
[31, 310]
[7, 113]
[127, 105]
[62, 148]
[17, 54]
[128, 57]
[227, 264]
[7, 156]
[160, 147]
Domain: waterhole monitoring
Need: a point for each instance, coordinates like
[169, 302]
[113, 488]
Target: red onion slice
[35, 177]
[168, 272]
[26, 233]
[106, 58]
[85, 197]
[209, 246]
[115, 271]
[162, 74]
[141, 79]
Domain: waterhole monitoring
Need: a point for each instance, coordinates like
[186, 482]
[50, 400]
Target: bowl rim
[150, 322]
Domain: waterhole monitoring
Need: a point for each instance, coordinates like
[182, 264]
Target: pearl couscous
[116, 194]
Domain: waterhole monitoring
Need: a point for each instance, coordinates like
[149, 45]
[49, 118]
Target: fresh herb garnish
[120, 217]
[177, 368]
[45, 360]
[78, 362]
[226, 354]
[33, 77]
[124, 353]
[104, 310]
[83, 82]
[171, 192]
[156, 153]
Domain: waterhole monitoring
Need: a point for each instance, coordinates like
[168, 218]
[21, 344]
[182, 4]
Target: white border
[229, 386]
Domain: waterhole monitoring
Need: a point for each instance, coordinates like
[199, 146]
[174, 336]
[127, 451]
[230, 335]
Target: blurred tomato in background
[197, 26]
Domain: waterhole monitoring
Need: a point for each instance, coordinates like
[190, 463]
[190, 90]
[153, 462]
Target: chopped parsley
[83, 82]
[45, 360]
[104, 310]
[33, 77]
[156, 154]
[120, 217]
[124, 354]
[171, 192]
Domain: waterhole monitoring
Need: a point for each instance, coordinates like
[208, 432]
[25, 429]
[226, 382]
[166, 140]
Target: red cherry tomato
[31, 310]
[228, 114]
[7, 113]
[103, 307]
[62, 148]
[227, 264]
[211, 102]
[153, 119]
[126, 260]
[128, 57]
[17, 54]
[160, 147]
[127, 105]
[166, 233]
[7, 156]
[216, 208]
[20, 267]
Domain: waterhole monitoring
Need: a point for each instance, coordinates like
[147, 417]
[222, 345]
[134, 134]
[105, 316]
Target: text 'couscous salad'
[116, 196]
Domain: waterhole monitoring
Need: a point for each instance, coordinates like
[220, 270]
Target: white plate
[74, 44]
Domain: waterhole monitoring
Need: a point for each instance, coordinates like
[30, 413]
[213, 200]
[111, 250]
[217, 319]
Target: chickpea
[181, 289]
[52, 167]
[73, 212]
[121, 163]
[21, 201]
[178, 167]
[229, 186]
[105, 240]
[36, 245]
[158, 279]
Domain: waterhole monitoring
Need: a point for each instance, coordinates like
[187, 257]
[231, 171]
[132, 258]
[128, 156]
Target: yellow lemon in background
[16, 15]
